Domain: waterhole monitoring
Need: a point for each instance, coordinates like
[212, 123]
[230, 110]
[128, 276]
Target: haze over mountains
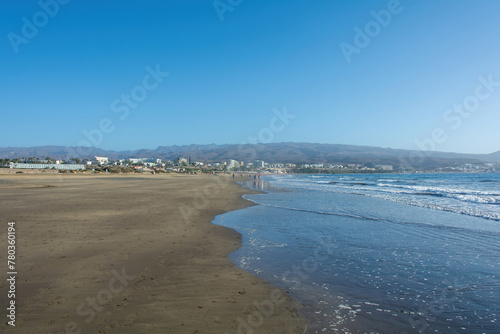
[272, 152]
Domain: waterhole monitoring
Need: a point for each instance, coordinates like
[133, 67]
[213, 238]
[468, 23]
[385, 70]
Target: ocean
[378, 253]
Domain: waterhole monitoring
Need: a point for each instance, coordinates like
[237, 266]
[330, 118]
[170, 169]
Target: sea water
[387, 253]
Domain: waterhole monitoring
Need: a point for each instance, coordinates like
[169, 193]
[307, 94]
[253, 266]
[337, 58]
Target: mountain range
[272, 152]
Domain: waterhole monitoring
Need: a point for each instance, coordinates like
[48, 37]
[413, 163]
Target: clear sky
[379, 73]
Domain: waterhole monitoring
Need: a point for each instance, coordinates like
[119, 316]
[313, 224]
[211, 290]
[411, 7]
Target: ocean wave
[464, 195]
[461, 195]
[408, 200]
[314, 211]
[428, 194]
[493, 199]
[469, 211]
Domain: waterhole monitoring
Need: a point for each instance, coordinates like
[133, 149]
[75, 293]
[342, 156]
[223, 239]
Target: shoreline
[134, 254]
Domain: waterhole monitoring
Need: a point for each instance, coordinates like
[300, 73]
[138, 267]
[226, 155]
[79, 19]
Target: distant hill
[273, 152]
[493, 156]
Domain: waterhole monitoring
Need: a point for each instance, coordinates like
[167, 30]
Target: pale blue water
[399, 253]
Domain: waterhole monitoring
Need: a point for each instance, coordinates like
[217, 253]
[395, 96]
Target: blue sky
[225, 77]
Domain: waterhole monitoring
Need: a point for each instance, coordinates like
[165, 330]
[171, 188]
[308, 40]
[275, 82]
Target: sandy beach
[132, 254]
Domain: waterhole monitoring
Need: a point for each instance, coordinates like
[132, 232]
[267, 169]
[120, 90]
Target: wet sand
[132, 254]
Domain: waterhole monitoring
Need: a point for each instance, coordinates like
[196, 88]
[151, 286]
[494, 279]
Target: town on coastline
[186, 165]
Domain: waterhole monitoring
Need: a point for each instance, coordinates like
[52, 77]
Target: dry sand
[114, 254]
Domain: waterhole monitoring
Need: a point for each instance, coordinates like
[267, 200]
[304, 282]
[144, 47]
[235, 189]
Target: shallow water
[365, 263]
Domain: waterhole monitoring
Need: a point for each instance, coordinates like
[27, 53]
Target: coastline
[134, 254]
[358, 258]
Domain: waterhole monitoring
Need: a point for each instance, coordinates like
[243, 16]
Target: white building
[384, 167]
[101, 160]
[232, 164]
[47, 166]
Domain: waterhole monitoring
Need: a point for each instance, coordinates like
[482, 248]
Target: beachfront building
[385, 167]
[46, 166]
[232, 164]
[101, 160]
